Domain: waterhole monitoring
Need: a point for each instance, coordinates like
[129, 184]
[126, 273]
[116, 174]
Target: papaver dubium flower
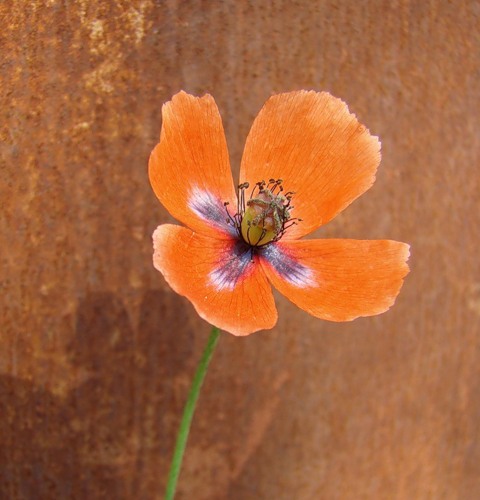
[306, 159]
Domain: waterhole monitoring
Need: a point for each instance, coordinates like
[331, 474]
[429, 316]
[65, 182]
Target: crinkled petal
[338, 280]
[218, 277]
[189, 169]
[318, 148]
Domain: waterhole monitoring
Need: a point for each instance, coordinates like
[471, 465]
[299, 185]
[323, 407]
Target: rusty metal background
[96, 352]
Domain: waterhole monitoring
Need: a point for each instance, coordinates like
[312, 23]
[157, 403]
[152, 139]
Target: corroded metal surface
[97, 352]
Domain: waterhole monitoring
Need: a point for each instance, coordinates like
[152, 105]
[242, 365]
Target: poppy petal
[189, 169]
[338, 280]
[318, 148]
[226, 288]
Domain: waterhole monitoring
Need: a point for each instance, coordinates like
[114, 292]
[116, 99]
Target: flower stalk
[188, 412]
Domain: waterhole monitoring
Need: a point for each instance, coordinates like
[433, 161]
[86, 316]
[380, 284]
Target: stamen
[265, 216]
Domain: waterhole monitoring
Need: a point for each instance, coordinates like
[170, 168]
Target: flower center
[265, 216]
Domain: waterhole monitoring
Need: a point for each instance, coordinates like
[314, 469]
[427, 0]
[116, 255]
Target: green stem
[188, 413]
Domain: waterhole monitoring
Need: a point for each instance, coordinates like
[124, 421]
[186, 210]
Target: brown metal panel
[97, 353]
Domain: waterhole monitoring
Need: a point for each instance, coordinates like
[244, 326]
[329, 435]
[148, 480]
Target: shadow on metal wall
[98, 440]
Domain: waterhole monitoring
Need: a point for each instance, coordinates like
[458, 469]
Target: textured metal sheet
[96, 352]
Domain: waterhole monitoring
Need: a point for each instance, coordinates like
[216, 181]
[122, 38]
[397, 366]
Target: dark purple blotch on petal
[232, 265]
[287, 267]
[210, 209]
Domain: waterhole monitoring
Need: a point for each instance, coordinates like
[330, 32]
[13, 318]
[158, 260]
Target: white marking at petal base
[220, 280]
[301, 277]
[202, 202]
[209, 208]
[231, 267]
[296, 273]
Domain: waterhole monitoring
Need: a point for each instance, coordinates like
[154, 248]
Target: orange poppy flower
[306, 159]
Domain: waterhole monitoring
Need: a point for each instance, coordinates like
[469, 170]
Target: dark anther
[264, 201]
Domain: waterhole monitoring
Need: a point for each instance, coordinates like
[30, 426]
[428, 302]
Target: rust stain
[260, 421]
